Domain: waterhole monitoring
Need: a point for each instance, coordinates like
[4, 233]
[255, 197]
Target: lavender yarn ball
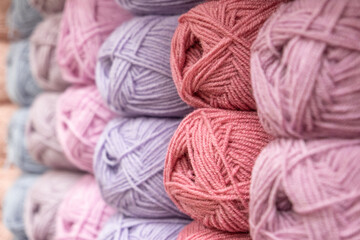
[48, 7]
[133, 69]
[128, 165]
[121, 228]
[17, 152]
[13, 205]
[20, 83]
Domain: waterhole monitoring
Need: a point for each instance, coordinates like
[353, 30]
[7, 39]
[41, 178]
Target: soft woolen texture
[22, 19]
[17, 152]
[210, 52]
[208, 166]
[128, 165]
[43, 44]
[4, 47]
[133, 71]
[41, 136]
[82, 116]
[83, 213]
[48, 7]
[122, 228]
[306, 190]
[4, 6]
[197, 231]
[6, 112]
[42, 203]
[20, 83]
[13, 205]
[85, 26]
[305, 72]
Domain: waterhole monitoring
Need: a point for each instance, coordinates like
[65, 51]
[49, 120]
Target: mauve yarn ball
[128, 165]
[84, 27]
[42, 203]
[210, 52]
[43, 44]
[121, 228]
[83, 213]
[306, 190]
[20, 83]
[22, 18]
[48, 7]
[17, 152]
[305, 72]
[13, 205]
[133, 71]
[208, 166]
[41, 136]
[82, 116]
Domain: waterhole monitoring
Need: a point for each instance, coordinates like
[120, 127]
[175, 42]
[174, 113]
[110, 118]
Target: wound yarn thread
[82, 116]
[85, 26]
[6, 112]
[305, 72]
[210, 52]
[133, 71]
[306, 190]
[128, 165]
[41, 137]
[48, 7]
[208, 166]
[83, 213]
[43, 44]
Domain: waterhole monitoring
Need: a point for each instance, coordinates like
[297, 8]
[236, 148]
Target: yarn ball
[84, 27]
[48, 7]
[81, 118]
[158, 7]
[4, 47]
[133, 72]
[41, 137]
[197, 231]
[210, 52]
[43, 44]
[83, 213]
[305, 72]
[306, 190]
[208, 166]
[13, 205]
[4, 6]
[121, 228]
[17, 152]
[20, 83]
[43, 201]
[6, 112]
[22, 18]
[128, 165]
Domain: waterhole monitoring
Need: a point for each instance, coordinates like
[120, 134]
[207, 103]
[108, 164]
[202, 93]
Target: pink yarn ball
[84, 27]
[306, 190]
[83, 213]
[305, 70]
[81, 118]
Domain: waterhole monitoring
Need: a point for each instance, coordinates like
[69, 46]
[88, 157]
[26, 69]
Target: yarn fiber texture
[17, 152]
[305, 71]
[81, 118]
[133, 71]
[13, 205]
[210, 52]
[306, 190]
[208, 166]
[4, 48]
[85, 26]
[48, 7]
[4, 6]
[6, 112]
[121, 228]
[83, 213]
[41, 137]
[128, 165]
[43, 44]
[43, 201]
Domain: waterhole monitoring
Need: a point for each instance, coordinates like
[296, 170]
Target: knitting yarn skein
[48, 7]
[43, 44]
[306, 190]
[208, 166]
[85, 26]
[133, 71]
[6, 113]
[81, 118]
[128, 165]
[305, 72]
[210, 52]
